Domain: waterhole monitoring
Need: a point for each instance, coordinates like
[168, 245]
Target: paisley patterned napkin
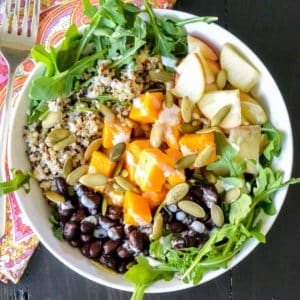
[19, 242]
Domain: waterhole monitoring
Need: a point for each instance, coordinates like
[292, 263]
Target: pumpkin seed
[93, 146]
[158, 223]
[124, 173]
[169, 99]
[187, 107]
[118, 188]
[207, 130]
[124, 183]
[55, 197]
[160, 75]
[221, 79]
[232, 195]
[210, 177]
[220, 115]
[53, 118]
[74, 176]
[104, 206]
[176, 193]
[64, 143]
[93, 180]
[186, 161]
[157, 135]
[118, 168]
[219, 187]
[68, 166]
[106, 112]
[56, 135]
[196, 123]
[192, 208]
[116, 152]
[189, 127]
[204, 156]
[217, 215]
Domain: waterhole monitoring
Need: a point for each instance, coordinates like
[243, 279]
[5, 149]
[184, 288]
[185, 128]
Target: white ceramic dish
[36, 209]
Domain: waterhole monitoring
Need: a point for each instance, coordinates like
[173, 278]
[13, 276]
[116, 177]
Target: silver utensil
[18, 34]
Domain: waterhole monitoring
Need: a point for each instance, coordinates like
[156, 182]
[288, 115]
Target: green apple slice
[213, 102]
[241, 74]
[195, 45]
[190, 80]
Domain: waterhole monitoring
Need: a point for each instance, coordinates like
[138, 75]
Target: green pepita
[55, 197]
[189, 127]
[124, 183]
[106, 112]
[210, 177]
[203, 156]
[93, 146]
[186, 161]
[104, 206]
[68, 167]
[232, 195]
[53, 118]
[160, 75]
[93, 180]
[118, 168]
[220, 115]
[217, 215]
[56, 135]
[221, 79]
[115, 154]
[74, 176]
[192, 208]
[169, 98]
[158, 223]
[64, 143]
[177, 193]
[187, 107]
[157, 135]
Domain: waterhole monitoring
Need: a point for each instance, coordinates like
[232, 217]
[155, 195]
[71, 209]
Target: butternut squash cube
[155, 198]
[115, 133]
[174, 154]
[196, 143]
[101, 164]
[146, 108]
[136, 210]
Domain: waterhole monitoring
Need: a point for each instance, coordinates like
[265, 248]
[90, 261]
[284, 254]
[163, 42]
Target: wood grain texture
[271, 28]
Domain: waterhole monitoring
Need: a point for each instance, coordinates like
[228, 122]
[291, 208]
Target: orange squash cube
[132, 155]
[136, 210]
[196, 143]
[100, 163]
[172, 136]
[146, 108]
[115, 133]
[155, 198]
[174, 154]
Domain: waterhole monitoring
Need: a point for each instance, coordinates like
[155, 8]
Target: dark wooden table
[272, 29]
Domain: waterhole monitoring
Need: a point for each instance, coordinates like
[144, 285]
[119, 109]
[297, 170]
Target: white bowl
[36, 209]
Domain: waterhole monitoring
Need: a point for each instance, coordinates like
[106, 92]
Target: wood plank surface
[271, 29]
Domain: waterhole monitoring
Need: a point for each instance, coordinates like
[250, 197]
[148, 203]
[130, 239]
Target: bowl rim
[251, 244]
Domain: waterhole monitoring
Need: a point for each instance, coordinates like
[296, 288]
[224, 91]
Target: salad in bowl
[150, 145]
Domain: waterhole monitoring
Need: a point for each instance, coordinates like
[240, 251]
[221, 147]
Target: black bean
[114, 212]
[95, 249]
[116, 232]
[65, 213]
[175, 227]
[122, 268]
[81, 190]
[106, 223]
[85, 250]
[178, 242]
[128, 229]
[196, 192]
[86, 227]
[86, 237]
[137, 240]
[110, 246]
[166, 216]
[96, 198]
[210, 194]
[61, 185]
[71, 230]
[123, 252]
[79, 215]
[108, 261]
[75, 243]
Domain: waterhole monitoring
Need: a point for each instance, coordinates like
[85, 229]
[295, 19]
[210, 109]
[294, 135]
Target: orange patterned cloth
[19, 242]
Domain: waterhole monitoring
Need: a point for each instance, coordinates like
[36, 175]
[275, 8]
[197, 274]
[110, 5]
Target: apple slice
[214, 66]
[252, 111]
[190, 80]
[240, 73]
[196, 45]
[212, 103]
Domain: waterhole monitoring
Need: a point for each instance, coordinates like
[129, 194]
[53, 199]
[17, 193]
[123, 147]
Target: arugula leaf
[206, 19]
[228, 158]
[89, 9]
[19, 180]
[143, 274]
[40, 54]
[240, 208]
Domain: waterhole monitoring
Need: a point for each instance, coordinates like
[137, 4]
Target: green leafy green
[228, 158]
[19, 180]
[240, 208]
